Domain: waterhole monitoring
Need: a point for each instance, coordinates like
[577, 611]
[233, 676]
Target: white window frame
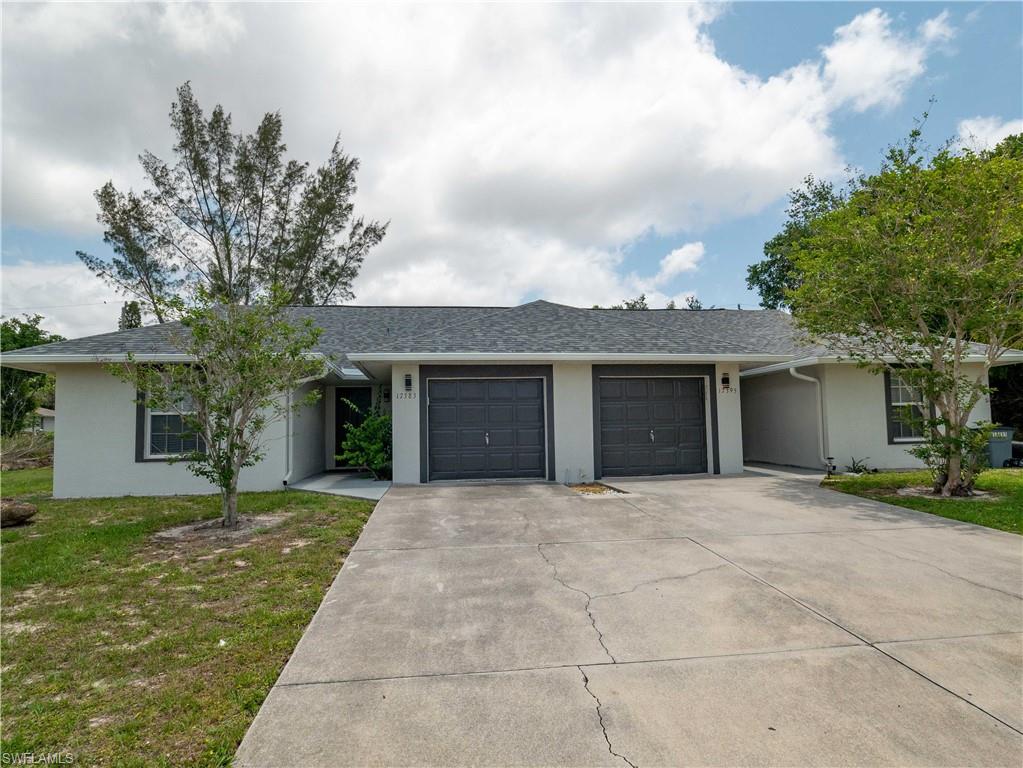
[150, 412]
[896, 382]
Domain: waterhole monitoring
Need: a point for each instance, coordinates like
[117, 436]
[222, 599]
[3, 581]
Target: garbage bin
[999, 446]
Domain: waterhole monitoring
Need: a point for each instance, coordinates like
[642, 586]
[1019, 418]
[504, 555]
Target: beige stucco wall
[573, 422]
[729, 418]
[405, 423]
[779, 419]
[306, 425]
[94, 444]
[854, 401]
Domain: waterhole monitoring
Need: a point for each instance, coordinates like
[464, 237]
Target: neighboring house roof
[45, 412]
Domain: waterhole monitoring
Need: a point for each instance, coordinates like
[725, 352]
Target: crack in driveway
[600, 718]
[589, 599]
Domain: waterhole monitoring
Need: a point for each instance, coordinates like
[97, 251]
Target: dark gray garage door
[652, 426]
[485, 428]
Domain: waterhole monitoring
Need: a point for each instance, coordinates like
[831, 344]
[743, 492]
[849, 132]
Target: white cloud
[516, 150]
[986, 132]
[73, 302]
[684, 259]
[870, 64]
[199, 27]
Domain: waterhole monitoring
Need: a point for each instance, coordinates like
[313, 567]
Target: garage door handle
[651, 435]
[486, 438]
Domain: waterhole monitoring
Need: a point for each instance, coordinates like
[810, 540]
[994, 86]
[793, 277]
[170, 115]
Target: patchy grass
[27, 483]
[1002, 510]
[125, 649]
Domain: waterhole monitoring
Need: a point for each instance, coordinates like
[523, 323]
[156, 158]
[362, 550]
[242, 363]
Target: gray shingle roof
[536, 327]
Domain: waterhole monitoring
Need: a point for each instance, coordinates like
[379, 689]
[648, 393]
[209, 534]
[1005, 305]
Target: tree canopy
[919, 261]
[232, 212]
[776, 274]
[22, 391]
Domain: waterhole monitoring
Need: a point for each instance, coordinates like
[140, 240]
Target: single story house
[45, 418]
[541, 390]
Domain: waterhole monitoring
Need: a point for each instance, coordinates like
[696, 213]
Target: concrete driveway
[754, 620]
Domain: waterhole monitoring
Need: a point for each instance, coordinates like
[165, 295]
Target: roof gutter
[586, 357]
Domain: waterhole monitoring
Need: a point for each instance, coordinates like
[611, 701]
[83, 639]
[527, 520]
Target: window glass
[170, 436]
[908, 409]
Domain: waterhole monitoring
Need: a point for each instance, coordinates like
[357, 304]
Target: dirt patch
[926, 493]
[212, 530]
[596, 489]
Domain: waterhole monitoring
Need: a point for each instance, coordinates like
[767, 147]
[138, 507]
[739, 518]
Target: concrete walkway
[752, 620]
[357, 485]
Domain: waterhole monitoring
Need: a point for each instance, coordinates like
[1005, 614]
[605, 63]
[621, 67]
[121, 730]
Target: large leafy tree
[22, 391]
[777, 274]
[244, 363]
[922, 260]
[233, 213]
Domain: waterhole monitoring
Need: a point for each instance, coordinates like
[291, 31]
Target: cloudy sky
[579, 153]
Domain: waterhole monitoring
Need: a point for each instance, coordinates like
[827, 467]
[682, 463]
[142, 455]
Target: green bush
[368, 445]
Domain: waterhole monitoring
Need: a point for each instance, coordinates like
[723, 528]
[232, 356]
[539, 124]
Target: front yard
[122, 648]
[1002, 508]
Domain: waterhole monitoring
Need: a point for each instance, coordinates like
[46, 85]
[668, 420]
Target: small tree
[922, 260]
[693, 303]
[245, 362]
[22, 391]
[131, 316]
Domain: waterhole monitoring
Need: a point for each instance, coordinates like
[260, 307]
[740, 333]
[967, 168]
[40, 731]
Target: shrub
[368, 445]
[969, 448]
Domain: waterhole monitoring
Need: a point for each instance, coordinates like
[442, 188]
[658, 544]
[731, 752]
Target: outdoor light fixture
[725, 382]
[408, 382]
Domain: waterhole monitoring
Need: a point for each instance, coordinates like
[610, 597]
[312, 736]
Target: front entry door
[344, 414]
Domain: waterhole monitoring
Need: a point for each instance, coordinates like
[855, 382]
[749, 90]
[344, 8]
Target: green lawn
[125, 649]
[1004, 511]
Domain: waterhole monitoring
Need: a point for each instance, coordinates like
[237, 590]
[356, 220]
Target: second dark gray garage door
[652, 426]
[486, 429]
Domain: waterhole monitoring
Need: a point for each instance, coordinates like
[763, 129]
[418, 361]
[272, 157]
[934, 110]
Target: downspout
[820, 413]
[287, 439]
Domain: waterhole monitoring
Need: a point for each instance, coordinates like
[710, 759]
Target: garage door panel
[529, 437]
[531, 462]
[636, 389]
[529, 413]
[666, 412]
[528, 388]
[471, 391]
[467, 414]
[444, 438]
[662, 388]
[500, 390]
[611, 413]
[443, 390]
[671, 409]
[611, 388]
[637, 412]
[444, 414]
[500, 414]
[485, 428]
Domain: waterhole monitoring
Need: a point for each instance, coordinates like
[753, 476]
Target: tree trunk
[229, 506]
